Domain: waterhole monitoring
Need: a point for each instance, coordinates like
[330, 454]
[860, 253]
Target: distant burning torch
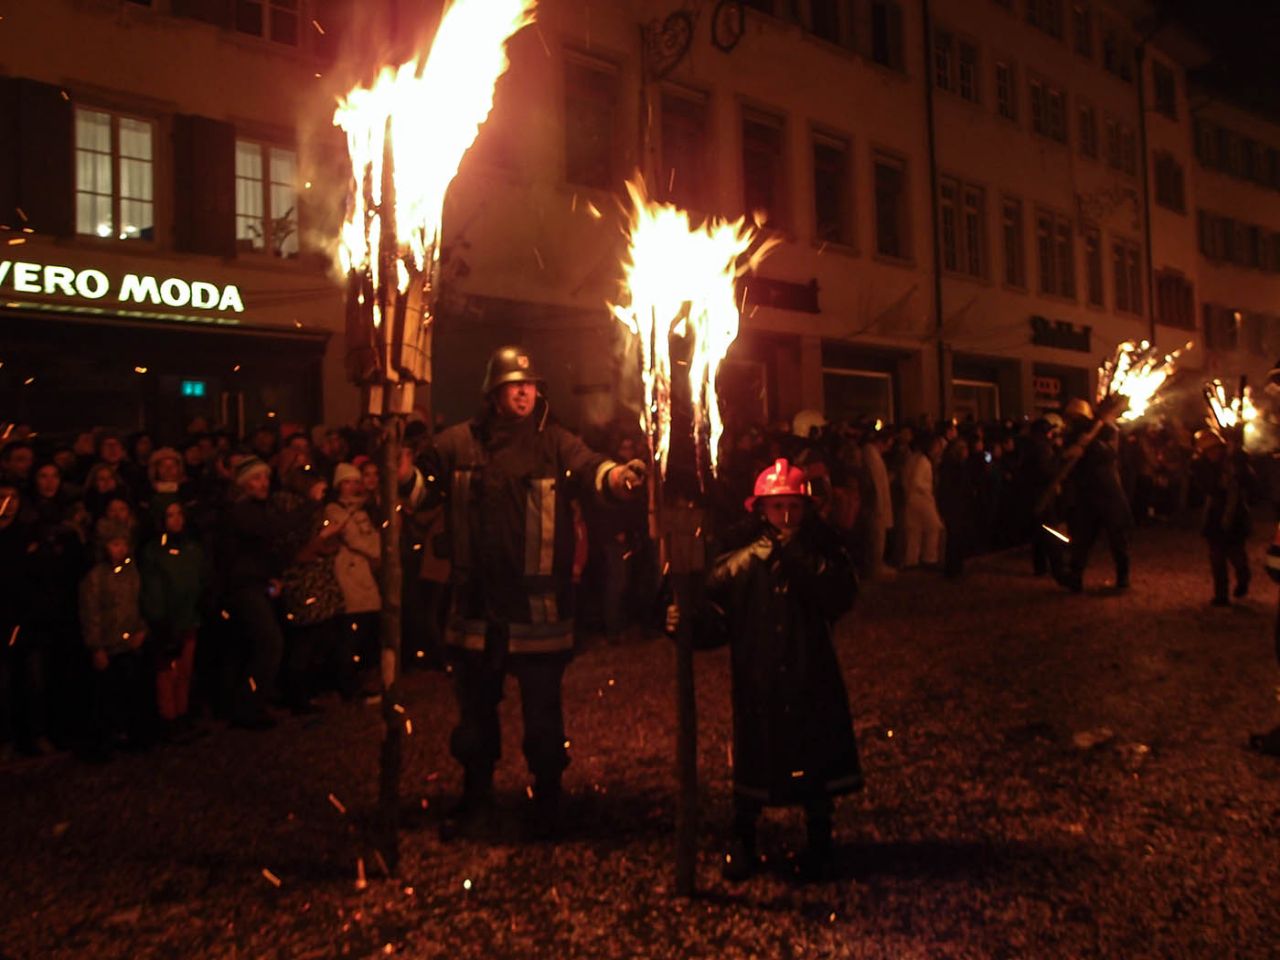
[1136, 373]
[1228, 415]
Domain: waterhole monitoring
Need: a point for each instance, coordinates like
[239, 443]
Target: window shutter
[217, 12]
[45, 187]
[8, 158]
[897, 52]
[204, 185]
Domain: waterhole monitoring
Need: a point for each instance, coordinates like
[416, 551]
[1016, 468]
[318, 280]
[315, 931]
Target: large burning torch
[406, 135]
[680, 282]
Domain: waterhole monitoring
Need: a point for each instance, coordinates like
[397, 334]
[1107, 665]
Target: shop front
[984, 389]
[95, 339]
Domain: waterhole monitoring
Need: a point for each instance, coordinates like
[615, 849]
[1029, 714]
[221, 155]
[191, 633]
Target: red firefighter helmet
[780, 480]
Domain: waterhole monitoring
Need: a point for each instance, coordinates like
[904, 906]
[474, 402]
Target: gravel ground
[1048, 776]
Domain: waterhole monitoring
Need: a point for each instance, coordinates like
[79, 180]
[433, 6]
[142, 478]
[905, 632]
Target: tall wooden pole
[389, 628]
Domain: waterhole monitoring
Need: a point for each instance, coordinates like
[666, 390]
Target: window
[1206, 143]
[763, 180]
[891, 207]
[944, 55]
[1006, 92]
[1117, 50]
[1093, 266]
[1128, 150]
[975, 231]
[1054, 255]
[1175, 300]
[886, 33]
[266, 199]
[1170, 188]
[1048, 111]
[684, 149]
[590, 137]
[1047, 15]
[949, 223]
[1015, 258]
[830, 20]
[764, 6]
[1166, 89]
[1206, 234]
[270, 19]
[1117, 156]
[114, 176]
[1221, 327]
[1088, 131]
[1248, 154]
[831, 193]
[1125, 256]
[1082, 29]
[967, 77]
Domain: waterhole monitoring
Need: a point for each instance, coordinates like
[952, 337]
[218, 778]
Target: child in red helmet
[775, 600]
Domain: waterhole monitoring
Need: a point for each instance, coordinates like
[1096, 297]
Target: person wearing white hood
[361, 543]
[879, 507]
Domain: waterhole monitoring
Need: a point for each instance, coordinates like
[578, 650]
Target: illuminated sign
[193, 388]
[91, 284]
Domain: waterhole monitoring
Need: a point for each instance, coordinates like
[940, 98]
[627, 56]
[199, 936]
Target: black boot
[1122, 574]
[473, 811]
[1242, 584]
[740, 860]
[543, 821]
[815, 864]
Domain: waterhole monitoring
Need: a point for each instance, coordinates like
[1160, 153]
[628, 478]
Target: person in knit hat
[166, 484]
[251, 567]
[113, 630]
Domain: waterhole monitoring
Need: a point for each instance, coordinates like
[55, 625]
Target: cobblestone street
[1048, 775]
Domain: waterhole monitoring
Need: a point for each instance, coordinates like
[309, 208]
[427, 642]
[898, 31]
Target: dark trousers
[1221, 553]
[1085, 526]
[477, 740]
[120, 699]
[256, 616]
[319, 656]
[26, 707]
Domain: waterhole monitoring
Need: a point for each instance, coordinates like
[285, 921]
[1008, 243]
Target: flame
[1137, 372]
[680, 278]
[1226, 413]
[431, 108]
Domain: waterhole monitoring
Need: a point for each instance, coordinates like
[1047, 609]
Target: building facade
[977, 200]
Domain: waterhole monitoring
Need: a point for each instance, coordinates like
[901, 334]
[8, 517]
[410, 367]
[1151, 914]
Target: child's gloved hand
[762, 548]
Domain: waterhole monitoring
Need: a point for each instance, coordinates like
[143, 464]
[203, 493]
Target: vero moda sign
[19, 276]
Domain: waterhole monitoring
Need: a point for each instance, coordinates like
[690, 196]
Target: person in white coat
[878, 501]
[922, 525]
[361, 543]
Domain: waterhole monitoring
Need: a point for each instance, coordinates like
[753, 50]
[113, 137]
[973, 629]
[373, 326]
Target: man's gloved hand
[626, 479]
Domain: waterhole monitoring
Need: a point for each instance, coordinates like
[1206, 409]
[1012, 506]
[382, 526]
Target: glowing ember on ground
[1136, 372]
[271, 877]
[680, 278]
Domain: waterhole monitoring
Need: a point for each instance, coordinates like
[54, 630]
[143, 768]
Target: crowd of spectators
[148, 587]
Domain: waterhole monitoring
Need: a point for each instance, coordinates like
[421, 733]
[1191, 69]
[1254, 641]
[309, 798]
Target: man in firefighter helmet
[507, 477]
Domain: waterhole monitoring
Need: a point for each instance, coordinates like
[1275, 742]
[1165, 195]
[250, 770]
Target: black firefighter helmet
[509, 365]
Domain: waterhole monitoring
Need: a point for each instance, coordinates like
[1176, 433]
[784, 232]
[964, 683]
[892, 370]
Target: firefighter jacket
[793, 735]
[507, 486]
